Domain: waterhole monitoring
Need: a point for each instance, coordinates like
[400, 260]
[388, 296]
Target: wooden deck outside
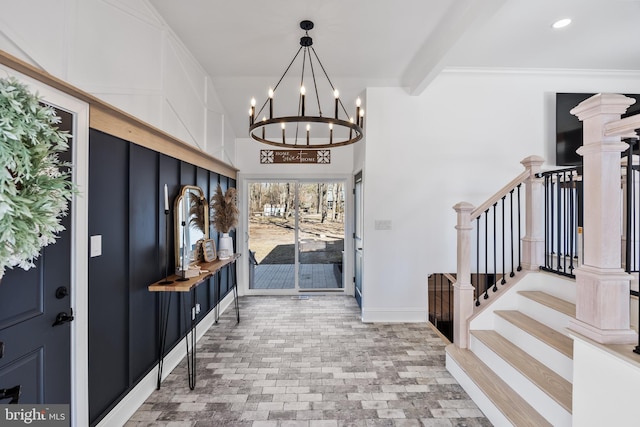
[312, 276]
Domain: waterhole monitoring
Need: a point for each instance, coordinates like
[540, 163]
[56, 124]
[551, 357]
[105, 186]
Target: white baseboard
[129, 404]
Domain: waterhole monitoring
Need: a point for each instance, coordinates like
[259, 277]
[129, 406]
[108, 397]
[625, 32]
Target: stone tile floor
[312, 363]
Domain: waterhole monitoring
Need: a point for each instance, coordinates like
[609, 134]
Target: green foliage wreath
[35, 185]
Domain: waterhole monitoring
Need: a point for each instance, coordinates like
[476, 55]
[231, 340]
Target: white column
[533, 240]
[462, 289]
[602, 286]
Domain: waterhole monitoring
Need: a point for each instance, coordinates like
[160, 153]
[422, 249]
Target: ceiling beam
[430, 59]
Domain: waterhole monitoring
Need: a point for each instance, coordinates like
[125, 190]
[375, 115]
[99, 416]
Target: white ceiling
[245, 46]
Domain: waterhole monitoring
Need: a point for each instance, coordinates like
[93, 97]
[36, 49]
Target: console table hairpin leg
[165, 305]
[162, 331]
[191, 356]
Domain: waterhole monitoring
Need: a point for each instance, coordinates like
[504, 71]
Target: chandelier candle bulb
[358, 102]
[303, 92]
[336, 94]
[270, 103]
[330, 133]
[308, 130]
[283, 140]
[361, 119]
[264, 119]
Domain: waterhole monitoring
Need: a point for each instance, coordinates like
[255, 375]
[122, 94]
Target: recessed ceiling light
[561, 23]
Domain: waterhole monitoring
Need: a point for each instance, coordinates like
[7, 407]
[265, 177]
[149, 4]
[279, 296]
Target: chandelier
[309, 127]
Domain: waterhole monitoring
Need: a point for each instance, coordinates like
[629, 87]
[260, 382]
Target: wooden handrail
[449, 277]
[623, 127]
[500, 194]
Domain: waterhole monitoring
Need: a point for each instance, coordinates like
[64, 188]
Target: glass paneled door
[320, 235]
[296, 235]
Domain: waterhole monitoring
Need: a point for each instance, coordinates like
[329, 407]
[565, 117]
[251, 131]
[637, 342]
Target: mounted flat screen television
[569, 128]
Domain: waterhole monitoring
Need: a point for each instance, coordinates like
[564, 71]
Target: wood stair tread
[544, 378]
[512, 405]
[548, 335]
[551, 301]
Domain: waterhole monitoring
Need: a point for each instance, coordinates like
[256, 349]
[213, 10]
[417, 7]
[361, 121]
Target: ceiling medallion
[306, 129]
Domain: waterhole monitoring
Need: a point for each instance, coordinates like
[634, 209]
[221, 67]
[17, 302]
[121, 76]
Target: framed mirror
[191, 213]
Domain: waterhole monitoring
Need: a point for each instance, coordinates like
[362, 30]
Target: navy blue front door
[34, 354]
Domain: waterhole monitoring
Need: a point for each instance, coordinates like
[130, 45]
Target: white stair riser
[553, 284]
[487, 407]
[543, 314]
[556, 361]
[537, 398]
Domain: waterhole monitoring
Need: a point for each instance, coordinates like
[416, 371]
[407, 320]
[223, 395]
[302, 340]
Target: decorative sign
[295, 156]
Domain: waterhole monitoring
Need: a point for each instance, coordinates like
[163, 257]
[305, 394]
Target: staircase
[519, 365]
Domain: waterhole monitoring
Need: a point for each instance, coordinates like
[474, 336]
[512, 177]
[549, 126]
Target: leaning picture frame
[209, 250]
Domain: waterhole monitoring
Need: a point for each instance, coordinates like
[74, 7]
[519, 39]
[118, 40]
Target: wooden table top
[208, 269]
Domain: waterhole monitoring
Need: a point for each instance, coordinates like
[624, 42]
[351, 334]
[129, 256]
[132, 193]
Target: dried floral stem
[225, 209]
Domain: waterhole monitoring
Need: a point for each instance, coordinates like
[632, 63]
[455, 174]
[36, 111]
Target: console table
[189, 285]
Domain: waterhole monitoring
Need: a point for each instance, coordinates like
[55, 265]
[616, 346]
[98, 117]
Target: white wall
[461, 140]
[123, 53]
[605, 387]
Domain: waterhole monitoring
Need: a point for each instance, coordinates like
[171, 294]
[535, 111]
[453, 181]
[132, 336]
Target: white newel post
[462, 289]
[602, 286]
[533, 240]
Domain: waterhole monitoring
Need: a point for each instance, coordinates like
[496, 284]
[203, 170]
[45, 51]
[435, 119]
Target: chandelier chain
[329, 80]
[280, 81]
[315, 85]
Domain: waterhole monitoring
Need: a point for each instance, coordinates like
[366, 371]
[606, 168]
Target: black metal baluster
[486, 254]
[552, 198]
[477, 261]
[439, 277]
[512, 250]
[495, 255]
[629, 232]
[546, 220]
[565, 218]
[635, 229]
[558, 238]
[634, 222]
[504, 232]
[572, 226]
[450, 317]
[519, 232]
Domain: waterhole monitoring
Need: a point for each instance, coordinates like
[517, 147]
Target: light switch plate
[95, 246]
[382, 224]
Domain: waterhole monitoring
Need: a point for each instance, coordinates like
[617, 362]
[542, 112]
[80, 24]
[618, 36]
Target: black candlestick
[166, 280]
[184, 277]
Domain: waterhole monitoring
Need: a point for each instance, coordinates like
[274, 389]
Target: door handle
[63, 317]
[62, 292]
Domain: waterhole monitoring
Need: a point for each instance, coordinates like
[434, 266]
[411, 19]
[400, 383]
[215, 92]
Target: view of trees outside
[277, 199]
[272, 222]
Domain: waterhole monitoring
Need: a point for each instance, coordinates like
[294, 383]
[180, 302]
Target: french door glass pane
[272, 235]
[320, 235]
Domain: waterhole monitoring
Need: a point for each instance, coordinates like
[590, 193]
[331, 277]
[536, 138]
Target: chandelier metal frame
[257, 128]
